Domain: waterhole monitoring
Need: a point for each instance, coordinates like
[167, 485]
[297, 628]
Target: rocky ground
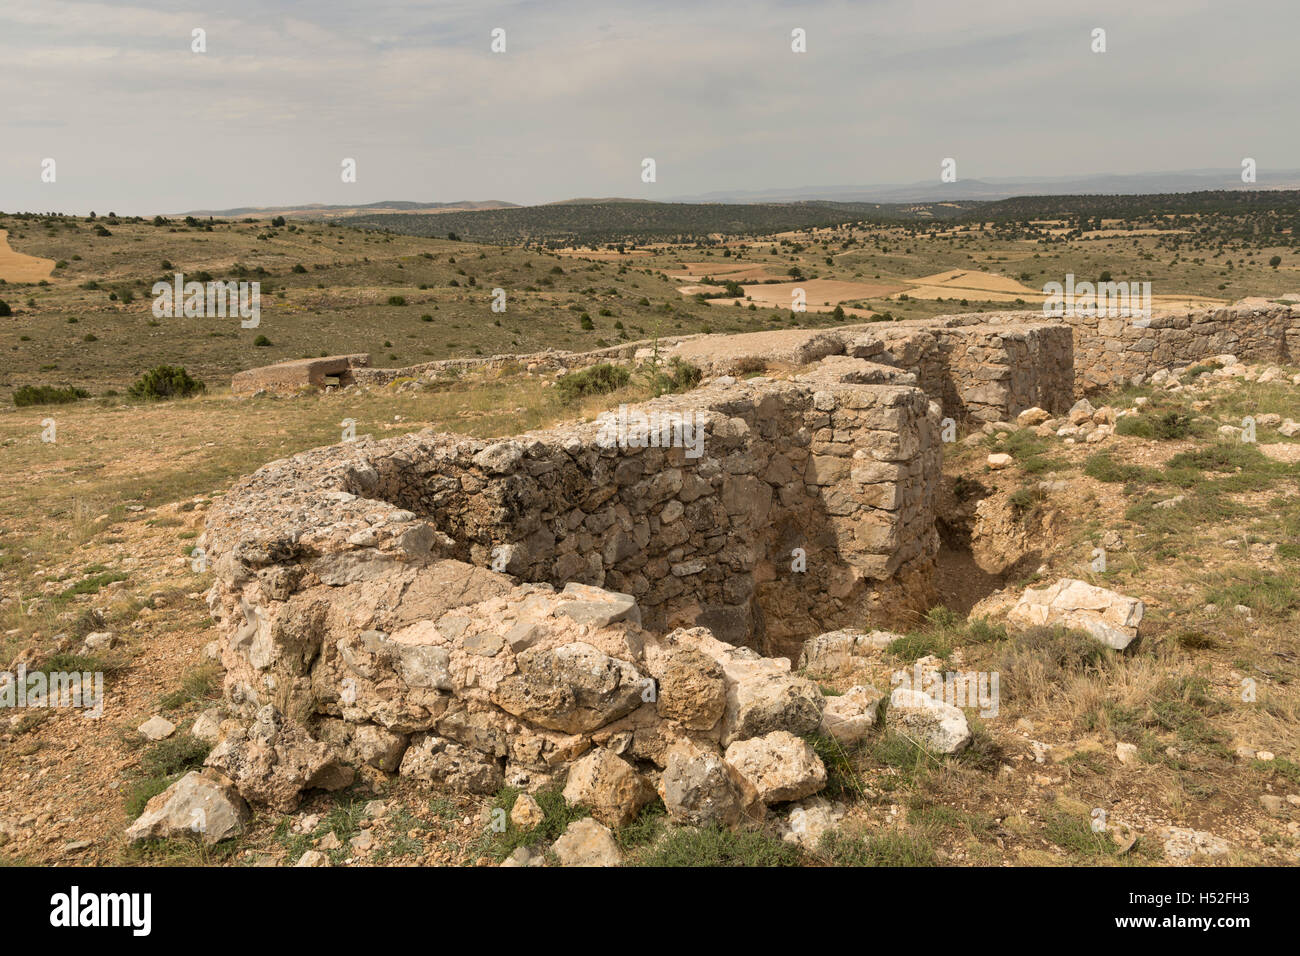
[1179, 747]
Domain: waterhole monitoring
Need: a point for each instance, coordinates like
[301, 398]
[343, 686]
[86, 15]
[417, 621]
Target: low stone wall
[373, 619]
[554, 360]
[703, 533]
[1111, 352]
[1115, 351]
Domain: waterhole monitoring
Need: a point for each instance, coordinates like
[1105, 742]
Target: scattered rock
[780, 766]
[526, 813]
[937, 726]
[1110, 617]
[699, 788]
[157, 728]
[608, 786]
[201, 804]
[586, 842]
[1182, 844]
[851, 716]
[207, 726]
[98, 641]
[810, 820]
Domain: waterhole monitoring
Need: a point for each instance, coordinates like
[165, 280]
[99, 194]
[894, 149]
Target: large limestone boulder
[937, 726]
[699, 788]
[1111, 618]
[201, 804]
[691, 690]
[608, 786]
[587, 842]
[851, 716]
[275, 759]
[572, 688]
[762, 694]
[838, 652]
[779, 765]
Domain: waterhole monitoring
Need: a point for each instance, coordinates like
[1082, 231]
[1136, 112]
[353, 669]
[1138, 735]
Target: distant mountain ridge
[323, 211]
[1185, 181]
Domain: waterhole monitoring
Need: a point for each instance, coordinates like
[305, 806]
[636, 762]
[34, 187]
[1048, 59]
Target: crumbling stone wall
[364, 629]
[844, 472]
[1114, 351]
[1110, 352]
[986, 373]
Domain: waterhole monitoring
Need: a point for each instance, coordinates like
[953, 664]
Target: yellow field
[16, 267]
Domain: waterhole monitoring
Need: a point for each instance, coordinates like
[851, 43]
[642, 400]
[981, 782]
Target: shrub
[262, 342]
[676, 376]
[714, 846]
[47, 395]
[165, 381]
[595, 380]
[4, 308]
[396, 300]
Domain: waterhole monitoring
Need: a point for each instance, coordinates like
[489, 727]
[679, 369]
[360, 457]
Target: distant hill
[322, 211]
[1195, 180]
[639, 222]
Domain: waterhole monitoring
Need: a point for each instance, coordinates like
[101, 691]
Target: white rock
[1182, 843]
[157, 728]
[938, 726]
[207, 726]
[586, 842]
[809, 821]
[779, 765]
[1112, 618]
[851, 716]
[98, 640]
[199, 804]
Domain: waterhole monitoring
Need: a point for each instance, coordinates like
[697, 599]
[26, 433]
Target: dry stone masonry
[589, 605]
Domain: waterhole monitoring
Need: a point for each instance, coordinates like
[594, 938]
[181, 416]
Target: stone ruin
[300, 374]
[559, 608]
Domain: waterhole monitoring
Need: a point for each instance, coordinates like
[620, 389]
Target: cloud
[712, 91]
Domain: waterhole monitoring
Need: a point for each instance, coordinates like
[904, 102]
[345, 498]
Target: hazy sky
[138, 123]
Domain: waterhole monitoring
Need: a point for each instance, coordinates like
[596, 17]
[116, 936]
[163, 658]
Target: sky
[138, 123]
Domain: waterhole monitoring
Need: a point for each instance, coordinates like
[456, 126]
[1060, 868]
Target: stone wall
[700, 535]
[365, 628]
[985, 373]
[552, 360]
[1113, 351]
